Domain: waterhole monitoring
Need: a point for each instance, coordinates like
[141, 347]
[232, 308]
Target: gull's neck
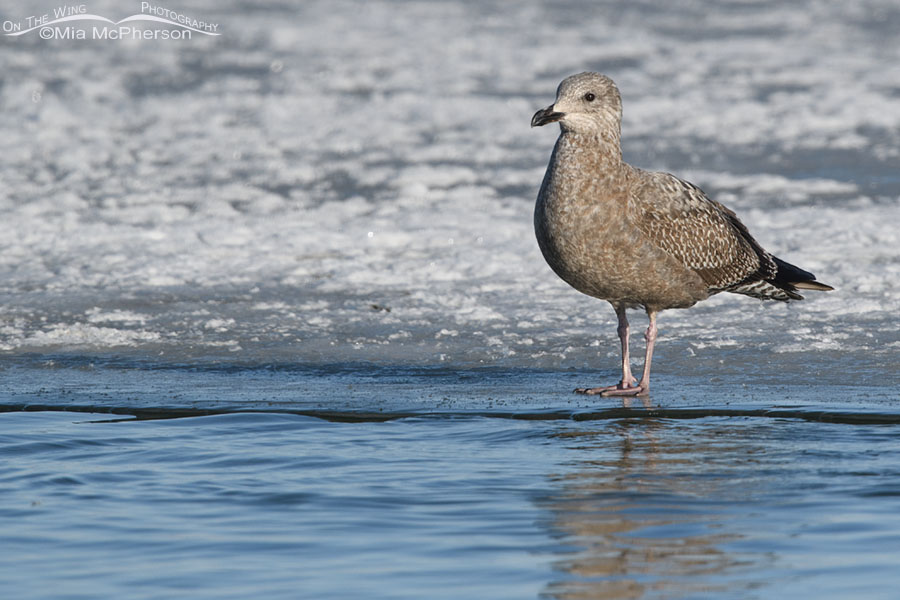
[601, 146]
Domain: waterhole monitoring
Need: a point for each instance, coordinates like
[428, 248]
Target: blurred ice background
[353, 182]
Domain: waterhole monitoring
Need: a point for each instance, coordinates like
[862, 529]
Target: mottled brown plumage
[638, 238]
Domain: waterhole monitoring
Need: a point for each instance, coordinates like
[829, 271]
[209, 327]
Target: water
[273, 321]
[285, 506]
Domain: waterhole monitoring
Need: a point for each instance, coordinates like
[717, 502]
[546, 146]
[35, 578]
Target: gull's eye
[589, 97]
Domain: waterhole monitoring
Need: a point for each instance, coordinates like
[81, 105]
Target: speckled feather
[705, 236]
[639, 238]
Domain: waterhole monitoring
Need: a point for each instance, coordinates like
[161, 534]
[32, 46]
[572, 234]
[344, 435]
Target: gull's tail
[790, 277]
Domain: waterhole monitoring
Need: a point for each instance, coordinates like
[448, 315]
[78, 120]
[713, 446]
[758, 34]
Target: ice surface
[329, 183]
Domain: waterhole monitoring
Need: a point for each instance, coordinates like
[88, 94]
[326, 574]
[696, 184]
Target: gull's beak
[546, 115]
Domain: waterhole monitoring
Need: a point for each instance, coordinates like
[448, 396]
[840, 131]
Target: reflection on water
[647, 511]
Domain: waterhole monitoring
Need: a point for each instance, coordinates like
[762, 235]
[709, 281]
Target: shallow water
[286, 506]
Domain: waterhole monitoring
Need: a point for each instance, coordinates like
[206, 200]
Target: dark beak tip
[544, 116]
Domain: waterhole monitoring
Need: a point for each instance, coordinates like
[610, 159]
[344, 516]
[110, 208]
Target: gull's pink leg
[643, 388]
[628, 381]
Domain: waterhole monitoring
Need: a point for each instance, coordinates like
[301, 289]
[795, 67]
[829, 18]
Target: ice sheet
[350, 182]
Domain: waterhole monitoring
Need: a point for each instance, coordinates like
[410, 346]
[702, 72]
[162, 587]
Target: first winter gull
[638, 238]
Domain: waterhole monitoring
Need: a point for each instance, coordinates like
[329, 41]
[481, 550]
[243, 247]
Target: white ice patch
[219, 325]
[748, 188]
[97, 315]
[79, 334]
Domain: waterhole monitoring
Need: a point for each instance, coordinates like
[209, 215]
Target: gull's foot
[638, 390]
[620, 389]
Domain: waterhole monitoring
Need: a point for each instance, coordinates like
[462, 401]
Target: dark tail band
[791, 277]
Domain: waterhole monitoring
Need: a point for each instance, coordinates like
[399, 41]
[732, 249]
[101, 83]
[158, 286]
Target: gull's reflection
[643, 516]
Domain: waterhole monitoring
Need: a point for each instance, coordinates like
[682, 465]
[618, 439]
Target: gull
[638, 238]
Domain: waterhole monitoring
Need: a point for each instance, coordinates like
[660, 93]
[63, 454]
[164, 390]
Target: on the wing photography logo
[74, 22]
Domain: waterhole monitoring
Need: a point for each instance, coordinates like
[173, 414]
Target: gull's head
[585, 103]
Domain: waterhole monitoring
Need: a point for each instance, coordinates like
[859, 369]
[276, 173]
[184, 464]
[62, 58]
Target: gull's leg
[650, 336]
[642, 388]
[628, 381]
